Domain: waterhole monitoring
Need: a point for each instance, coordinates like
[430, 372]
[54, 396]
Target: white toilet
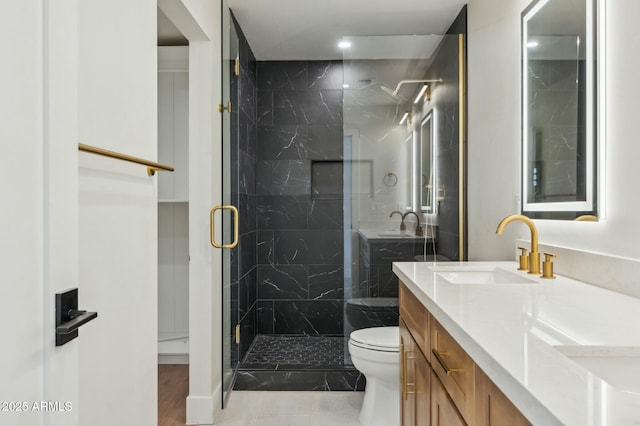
[374, 352]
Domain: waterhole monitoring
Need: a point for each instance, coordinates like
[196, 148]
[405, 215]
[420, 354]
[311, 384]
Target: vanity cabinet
[493, 408]
[415, 381]
[454, 368]
[415, 371]
[440, 383]
[407, 377]
[443, 409]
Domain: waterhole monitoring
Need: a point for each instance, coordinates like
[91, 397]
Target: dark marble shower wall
[446, 66]
[299, 204]
[243, 182]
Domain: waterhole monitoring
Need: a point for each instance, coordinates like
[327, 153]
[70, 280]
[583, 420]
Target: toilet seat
[381, 339]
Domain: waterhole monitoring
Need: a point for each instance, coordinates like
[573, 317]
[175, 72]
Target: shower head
[394, 93]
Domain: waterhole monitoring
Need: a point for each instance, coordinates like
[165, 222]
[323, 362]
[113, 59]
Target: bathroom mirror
[559, 109]
[426, 164]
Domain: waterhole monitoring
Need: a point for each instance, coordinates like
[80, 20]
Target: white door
[117, 219]
[38, 183]
[78, 72]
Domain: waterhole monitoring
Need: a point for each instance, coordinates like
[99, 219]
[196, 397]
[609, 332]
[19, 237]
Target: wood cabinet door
[423, 390]
[416, 318]
[443, 411]
[455, 369]
[493, 408]
[407, 377]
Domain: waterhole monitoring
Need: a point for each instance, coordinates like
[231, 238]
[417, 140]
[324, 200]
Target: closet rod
[151, 166]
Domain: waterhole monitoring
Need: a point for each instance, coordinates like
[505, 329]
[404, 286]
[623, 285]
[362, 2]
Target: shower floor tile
[298, 363]
[278, 352]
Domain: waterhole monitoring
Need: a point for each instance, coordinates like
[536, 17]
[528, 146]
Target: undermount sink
[480, 275]
[395, 234]
[618, 366]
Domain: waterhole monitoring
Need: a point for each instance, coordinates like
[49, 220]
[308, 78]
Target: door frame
[201, 26]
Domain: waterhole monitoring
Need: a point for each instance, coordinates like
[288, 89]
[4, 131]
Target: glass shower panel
[230, 190]
[384, 103]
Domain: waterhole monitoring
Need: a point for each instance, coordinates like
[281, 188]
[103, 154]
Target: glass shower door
[230, 182]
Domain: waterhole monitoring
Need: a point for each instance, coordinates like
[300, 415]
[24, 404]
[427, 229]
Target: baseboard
[204, 410]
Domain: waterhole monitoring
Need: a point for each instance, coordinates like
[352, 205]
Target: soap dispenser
[524, 259]
[547, 266]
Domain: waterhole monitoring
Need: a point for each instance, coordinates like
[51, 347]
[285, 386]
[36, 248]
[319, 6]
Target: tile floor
[285, 352]
[252, 408]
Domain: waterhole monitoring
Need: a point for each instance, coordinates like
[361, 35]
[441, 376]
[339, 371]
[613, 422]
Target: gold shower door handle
[212, 231]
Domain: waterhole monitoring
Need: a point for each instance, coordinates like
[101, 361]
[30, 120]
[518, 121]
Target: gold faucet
[403, 227]
[534, 256]
[419, 230]
[586, 218]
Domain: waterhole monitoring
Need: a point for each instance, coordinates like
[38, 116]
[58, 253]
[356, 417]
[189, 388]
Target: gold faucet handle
[524, 259]
[547, 266]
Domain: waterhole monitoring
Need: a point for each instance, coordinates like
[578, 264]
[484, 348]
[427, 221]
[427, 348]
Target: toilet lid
[377, 338]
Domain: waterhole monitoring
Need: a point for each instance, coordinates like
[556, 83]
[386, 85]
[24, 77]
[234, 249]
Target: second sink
[618, 366]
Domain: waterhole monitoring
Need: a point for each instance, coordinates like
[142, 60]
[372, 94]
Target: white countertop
[391, 234]
[510, 331]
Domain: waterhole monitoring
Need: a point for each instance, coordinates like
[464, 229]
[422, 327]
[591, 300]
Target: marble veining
[326, 282]
[305, 380]
[300, 255]
[282, 282]
[325, 214]
[308, 317]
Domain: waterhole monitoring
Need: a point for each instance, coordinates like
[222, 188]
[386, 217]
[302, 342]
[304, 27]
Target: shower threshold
[298, 363]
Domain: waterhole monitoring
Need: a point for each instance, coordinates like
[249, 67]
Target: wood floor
[173, 387]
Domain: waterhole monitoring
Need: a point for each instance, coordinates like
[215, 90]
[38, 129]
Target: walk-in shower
[313, 144]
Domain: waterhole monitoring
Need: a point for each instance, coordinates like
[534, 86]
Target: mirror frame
[430, 208]
[594, 112]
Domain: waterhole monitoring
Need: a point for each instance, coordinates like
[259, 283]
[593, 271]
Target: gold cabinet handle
[442, 363]
[212, 227]
[405, 383]
[403, 372]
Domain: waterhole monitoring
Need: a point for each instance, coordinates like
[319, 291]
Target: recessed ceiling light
[532, 44]
[345, 86]
[344, 44]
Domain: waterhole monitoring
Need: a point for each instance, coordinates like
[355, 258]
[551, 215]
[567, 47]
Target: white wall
[173, 270]
[173, 193]
[117, 86]
[494, 134]
[205, 289]
[199, 21]
[173, 122]
[85, 71]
